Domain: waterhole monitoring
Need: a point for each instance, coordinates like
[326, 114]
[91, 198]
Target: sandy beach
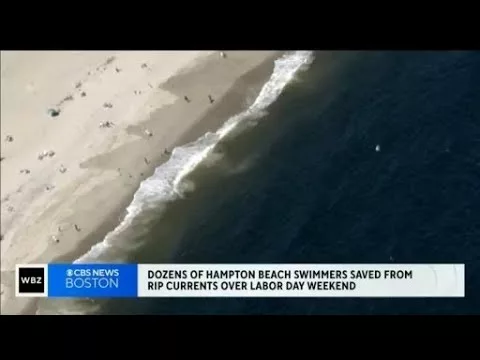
[80, 131]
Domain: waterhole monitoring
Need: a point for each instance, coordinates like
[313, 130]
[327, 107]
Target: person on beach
[148, 133]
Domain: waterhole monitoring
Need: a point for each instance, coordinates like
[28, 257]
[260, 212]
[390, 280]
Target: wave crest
[166, 184]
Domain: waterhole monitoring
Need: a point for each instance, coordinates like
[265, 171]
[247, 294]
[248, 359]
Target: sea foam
[165, 184]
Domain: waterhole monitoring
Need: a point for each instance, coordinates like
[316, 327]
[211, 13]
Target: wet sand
[104, 165]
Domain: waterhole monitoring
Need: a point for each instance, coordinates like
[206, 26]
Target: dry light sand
[66, 202]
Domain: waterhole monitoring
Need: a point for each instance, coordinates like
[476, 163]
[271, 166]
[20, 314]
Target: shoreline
[231, 103]
[234, 81]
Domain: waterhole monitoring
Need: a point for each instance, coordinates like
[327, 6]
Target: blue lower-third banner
[92, 280]
[240, 280]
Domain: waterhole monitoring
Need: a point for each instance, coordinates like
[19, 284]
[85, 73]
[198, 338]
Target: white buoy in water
[377, 148]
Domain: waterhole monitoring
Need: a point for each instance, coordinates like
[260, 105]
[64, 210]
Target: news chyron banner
[240, 280]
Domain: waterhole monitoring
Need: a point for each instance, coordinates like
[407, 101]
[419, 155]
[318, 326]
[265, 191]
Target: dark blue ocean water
[306, 184]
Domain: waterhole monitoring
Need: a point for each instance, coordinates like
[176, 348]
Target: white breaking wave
[166, 183]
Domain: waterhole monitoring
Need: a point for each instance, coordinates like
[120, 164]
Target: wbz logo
[31, 280]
